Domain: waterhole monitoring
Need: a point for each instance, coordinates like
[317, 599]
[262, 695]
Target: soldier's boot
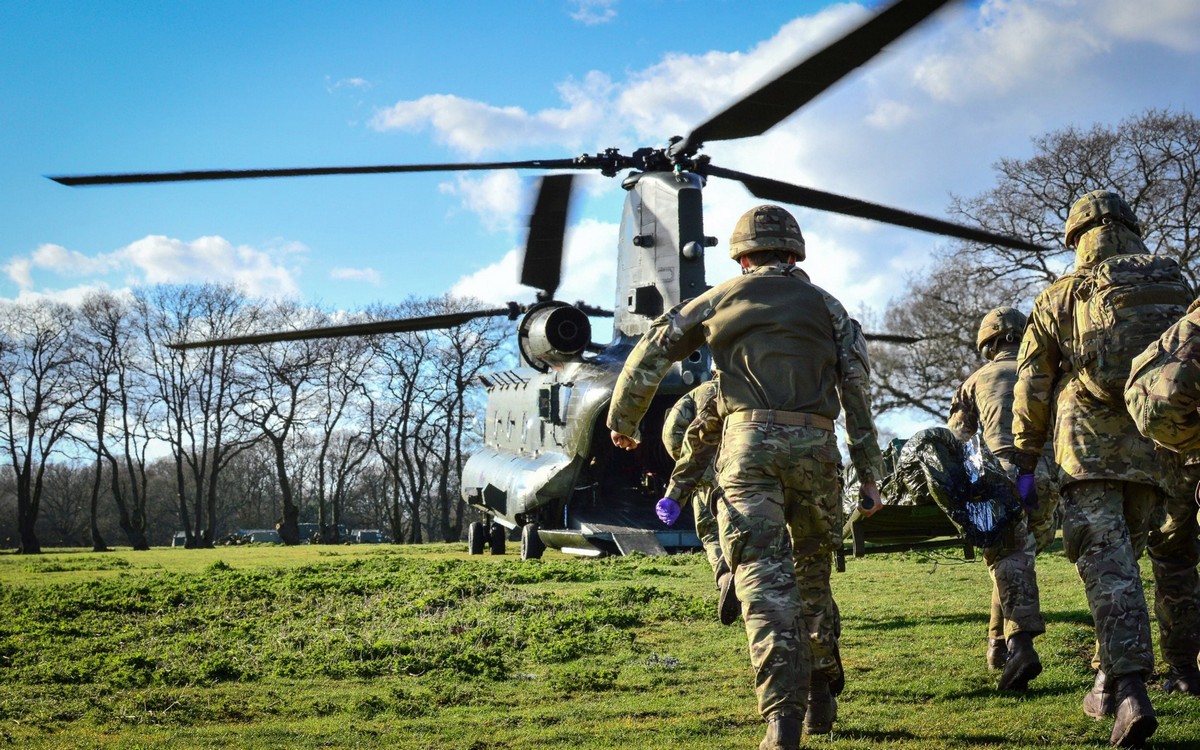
[728, 606]
[1100, 701]
[783, 733]
[837, 678]
[1135, 716]
[1023, 663]
[822, 706]
[997, 654]
[1185, 681]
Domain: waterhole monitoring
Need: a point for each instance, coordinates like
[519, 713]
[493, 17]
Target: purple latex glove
[1027, 489]
[667, 511]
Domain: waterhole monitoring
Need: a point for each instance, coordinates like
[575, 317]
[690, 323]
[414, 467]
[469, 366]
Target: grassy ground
[426, 647]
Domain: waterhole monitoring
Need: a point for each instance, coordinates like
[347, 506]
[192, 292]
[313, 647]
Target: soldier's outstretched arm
[672, 336]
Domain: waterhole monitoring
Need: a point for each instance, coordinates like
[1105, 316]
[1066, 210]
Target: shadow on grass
[1069, 616]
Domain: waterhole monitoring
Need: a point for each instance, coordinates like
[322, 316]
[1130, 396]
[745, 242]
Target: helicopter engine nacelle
[553, 333]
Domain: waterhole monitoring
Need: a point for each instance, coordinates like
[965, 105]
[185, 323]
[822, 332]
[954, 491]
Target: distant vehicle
[367, 536]
[180, 539]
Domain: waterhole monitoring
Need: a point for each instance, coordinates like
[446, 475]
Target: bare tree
[41, 393]
[199, 389]
[464, 353]
[1152, 159]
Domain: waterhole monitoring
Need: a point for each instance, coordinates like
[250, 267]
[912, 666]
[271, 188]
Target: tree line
[106, 429]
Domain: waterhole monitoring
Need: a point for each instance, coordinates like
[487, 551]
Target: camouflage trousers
[778, 519]
[1174, 547]
[706, 526]
[1015, 596]
[1042, 526]
[1105, 523]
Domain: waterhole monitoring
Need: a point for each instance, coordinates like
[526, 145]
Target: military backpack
[1123, 304]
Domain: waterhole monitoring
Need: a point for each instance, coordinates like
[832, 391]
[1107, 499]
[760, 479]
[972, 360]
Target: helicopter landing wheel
[476, 538]
[498, 538]
[532, 545]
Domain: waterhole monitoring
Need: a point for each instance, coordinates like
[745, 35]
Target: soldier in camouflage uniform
[790, 359]
[1163, 395]
[1107, 470]
[694, 479]
[983, 403]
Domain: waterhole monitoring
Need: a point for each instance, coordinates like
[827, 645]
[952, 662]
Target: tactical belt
[772, 416]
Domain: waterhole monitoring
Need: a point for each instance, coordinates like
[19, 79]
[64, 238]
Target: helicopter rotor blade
[244, 174]
[796, 195]
[541, 267]
[765, 107]
[402, 325]
[892, 338]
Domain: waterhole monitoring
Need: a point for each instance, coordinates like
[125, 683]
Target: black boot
[822, 706]
[1182, 681]
[1101, 701]
[728, 606]
[1023, 663]
[997, 654]
[1135, 715]
[783, 733]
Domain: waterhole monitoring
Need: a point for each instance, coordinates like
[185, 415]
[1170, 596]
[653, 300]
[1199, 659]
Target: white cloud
[367, 275]
[593, 12]
[163, 260]
[496, 197]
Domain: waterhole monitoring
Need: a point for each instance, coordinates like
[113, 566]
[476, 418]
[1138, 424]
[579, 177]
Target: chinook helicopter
[547, 467]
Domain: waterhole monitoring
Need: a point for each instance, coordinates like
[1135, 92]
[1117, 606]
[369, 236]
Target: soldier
[1107, 470]
[983, 404]
[790, 360]
[1162, 396]
[693, 449]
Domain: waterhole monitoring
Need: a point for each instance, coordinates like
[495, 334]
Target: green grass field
[426, 647]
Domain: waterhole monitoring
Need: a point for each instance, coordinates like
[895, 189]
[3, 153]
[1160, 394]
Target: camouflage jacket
[779, 341]
[1092, 440]
[983, 403]
[692, 435]
[1163, 391]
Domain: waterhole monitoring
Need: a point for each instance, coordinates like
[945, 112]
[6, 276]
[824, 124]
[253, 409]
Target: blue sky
[110, 87]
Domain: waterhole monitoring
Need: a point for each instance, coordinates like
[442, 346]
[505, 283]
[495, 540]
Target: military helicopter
[547, 466]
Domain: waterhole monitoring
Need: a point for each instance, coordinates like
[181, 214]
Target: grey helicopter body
[547, 465]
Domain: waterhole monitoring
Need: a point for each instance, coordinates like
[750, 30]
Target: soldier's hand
[869, 501]
[667, 511]
[1027, 489]
[623, 441]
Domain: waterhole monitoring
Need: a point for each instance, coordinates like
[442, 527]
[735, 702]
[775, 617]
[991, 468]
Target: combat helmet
[766, 228]
[1096, 208]
[999, 322]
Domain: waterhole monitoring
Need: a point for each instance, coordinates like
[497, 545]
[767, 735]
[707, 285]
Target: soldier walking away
[1163, 395]
[983, 403]
[693, 449]
[1085, 330]
[790, 360]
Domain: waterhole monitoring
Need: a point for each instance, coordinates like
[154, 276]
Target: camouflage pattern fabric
[1162, 395]
[983, 403]
[781, 344]
[693, 451]
[780, 523]
[1163, 390]
[790, 363]
[1105, 524]
[1092, 439]
[1174, 550]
